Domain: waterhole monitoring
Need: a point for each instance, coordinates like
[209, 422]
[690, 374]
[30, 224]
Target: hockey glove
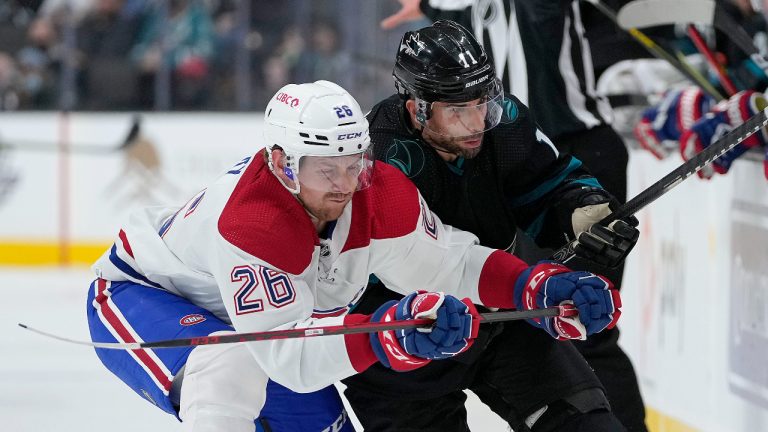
[661, 126]
[456, 325]
[724, 116]
[581, 209]
[550, 284]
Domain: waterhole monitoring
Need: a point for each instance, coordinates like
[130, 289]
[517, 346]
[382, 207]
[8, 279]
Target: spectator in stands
[14, 20]
[188, 34]
[324, 58]
[9, 83]
[40, 59]
[105, 37]
[37, 87]
[279, 66]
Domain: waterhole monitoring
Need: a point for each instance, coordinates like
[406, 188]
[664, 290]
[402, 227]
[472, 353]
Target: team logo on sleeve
[428, 221]
[259, 284]
[407, 156]
[510, 111]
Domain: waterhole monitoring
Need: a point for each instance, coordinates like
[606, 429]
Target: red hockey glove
[661, 126]
[724, 116]
[550, 284]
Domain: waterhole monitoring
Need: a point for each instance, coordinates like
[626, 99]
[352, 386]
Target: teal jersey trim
[534, 228]
[589, 182]
[457, 167]
[754, 69]
[547, 186]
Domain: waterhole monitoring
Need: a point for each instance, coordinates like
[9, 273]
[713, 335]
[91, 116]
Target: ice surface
[48, 385]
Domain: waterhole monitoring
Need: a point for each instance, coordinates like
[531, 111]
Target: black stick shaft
[349, 329]
[658, 52]
[687, 169]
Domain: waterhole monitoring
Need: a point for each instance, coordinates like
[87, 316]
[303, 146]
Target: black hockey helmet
[443, 62]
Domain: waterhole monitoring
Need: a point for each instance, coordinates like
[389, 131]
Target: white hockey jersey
[245, 249]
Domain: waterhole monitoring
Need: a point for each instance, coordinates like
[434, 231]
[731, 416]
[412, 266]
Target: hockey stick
[701, 45]
[649, 13]
[129, 139]
[566, 310]
[682, 172]
[740, 37]
[658, 52]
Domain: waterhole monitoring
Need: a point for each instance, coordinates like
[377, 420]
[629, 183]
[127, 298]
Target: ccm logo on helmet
[349, 136]
[287, 99]
[191, 319]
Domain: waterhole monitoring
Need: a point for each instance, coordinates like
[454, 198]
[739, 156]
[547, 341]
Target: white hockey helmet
[318, 120]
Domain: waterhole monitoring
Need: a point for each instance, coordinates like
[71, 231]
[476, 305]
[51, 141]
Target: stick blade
[650, 13]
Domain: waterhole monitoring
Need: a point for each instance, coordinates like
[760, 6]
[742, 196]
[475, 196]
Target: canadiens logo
[191, 319]
[287, 99]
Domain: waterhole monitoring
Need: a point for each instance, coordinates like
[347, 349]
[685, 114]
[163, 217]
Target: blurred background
[111, 105]
[213, 55]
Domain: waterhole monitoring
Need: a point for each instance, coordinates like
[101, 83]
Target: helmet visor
[467, 119]
[342, 174]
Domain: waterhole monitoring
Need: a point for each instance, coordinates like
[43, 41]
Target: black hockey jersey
[541, 54]
[513, 181]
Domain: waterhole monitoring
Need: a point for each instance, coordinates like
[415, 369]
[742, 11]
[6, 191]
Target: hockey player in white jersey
[288, 238]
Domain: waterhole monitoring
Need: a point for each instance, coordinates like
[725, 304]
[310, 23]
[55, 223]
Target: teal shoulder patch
[510, 111]
[407, 156]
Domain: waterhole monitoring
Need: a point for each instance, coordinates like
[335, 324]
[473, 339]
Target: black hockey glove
[579, 211]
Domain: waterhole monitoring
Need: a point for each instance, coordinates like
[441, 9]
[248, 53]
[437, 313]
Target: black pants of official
[514, 368]
[604, 154]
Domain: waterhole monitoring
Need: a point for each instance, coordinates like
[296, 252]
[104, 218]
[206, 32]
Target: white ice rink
[48, 385]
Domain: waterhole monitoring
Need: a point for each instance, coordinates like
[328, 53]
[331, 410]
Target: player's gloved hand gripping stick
[682, 172]
[371, 327]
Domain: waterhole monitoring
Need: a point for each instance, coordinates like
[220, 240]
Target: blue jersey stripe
[167, 224]
[127, 269]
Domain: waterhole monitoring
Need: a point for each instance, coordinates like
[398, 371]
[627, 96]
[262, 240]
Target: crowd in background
[186, 54]
[230, 55]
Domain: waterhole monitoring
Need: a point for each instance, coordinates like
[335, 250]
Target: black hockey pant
[520, 371]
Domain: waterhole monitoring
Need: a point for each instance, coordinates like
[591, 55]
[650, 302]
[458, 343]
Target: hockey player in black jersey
[544, 53]
[483, 166]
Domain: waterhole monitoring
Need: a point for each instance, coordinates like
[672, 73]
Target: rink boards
[696, 287]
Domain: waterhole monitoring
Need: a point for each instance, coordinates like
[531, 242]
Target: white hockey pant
[223, 389]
